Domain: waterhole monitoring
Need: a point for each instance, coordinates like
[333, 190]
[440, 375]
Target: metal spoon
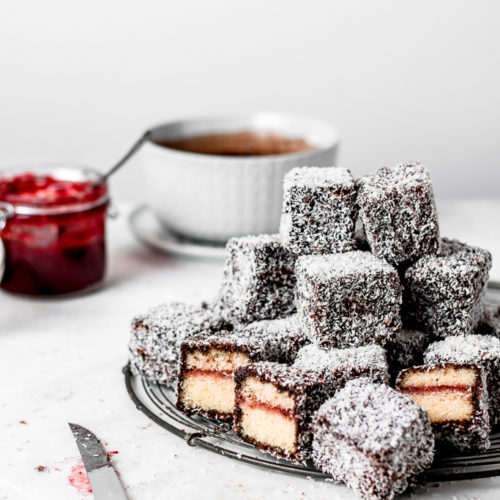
[146, 136]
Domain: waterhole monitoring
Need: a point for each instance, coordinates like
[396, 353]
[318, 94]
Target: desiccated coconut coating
[338, 366]
[444, 293]
[284, 334]
[307, 390]
[404, 349]
[258, 281]
[156, 337]
[347, 299]
[319, 210]
[398, 212]
[483, 350]
[372, 438]
[459, 413]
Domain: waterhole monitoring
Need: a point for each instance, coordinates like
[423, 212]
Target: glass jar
[52, 226]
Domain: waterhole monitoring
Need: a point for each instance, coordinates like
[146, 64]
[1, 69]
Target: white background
[79, 81]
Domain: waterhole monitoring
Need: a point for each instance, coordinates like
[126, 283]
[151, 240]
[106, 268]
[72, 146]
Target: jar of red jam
[52, 226]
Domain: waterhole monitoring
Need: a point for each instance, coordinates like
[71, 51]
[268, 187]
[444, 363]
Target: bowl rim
[250, 118]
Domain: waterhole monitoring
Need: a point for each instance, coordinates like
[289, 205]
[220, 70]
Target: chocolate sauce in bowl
[245, 143]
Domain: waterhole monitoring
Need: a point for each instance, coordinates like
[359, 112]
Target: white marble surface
[61, 362]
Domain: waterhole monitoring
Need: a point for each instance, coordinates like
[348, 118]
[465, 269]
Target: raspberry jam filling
[255, 404]
[55, 239]
[47, 191]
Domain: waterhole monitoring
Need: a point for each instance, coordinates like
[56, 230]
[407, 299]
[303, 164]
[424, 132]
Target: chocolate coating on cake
[459, 434]
[156, 337]
[482, 350]
[348, 299]
[445, 293]
[398, 212]
[338, 366]
[489, 324]
[404, 349]
[306, 388]
[319, 210]
[372, 438]
[258, 281]
[360, 237]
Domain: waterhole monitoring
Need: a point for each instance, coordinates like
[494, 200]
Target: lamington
[372, 438]
[319, 210]
[444, 293]
[398, 212]
[347, 299]
[338, 366]
[273, 408]
[258, 281]
[206, 385]
[481, 350]
[404, 349]
[456, 400]
[156, 337]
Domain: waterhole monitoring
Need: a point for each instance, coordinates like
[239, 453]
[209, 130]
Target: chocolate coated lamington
[156, 337]
[455, 398]
[398, 212]
[444, 293]
[372, 438]
[482, 350]
[280, 398]
[348, 299]
[258, 281]
[319, 210]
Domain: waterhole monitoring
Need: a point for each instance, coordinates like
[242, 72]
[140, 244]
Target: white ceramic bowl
[212, 197]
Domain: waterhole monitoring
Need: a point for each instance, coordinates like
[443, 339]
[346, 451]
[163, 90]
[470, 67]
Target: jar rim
[61, 171]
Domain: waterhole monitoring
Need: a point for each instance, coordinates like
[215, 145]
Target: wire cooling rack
[157, 402]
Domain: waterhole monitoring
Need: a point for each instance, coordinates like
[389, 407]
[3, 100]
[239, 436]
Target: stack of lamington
[313, 327]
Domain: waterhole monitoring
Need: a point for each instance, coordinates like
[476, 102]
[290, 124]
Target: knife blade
[102, 475]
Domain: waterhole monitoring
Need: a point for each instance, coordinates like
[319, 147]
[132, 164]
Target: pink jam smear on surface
[79, 479]
[57, 253]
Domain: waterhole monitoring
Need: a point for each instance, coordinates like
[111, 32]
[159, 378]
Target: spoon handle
[136, 146]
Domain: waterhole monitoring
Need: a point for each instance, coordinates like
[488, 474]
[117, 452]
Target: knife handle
[105, 484]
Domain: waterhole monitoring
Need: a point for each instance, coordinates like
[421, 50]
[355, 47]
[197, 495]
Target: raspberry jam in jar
[52, 226]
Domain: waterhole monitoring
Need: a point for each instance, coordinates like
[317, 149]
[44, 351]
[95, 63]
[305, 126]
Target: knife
[102, 476]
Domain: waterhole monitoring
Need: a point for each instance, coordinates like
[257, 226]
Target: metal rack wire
[157, 402]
